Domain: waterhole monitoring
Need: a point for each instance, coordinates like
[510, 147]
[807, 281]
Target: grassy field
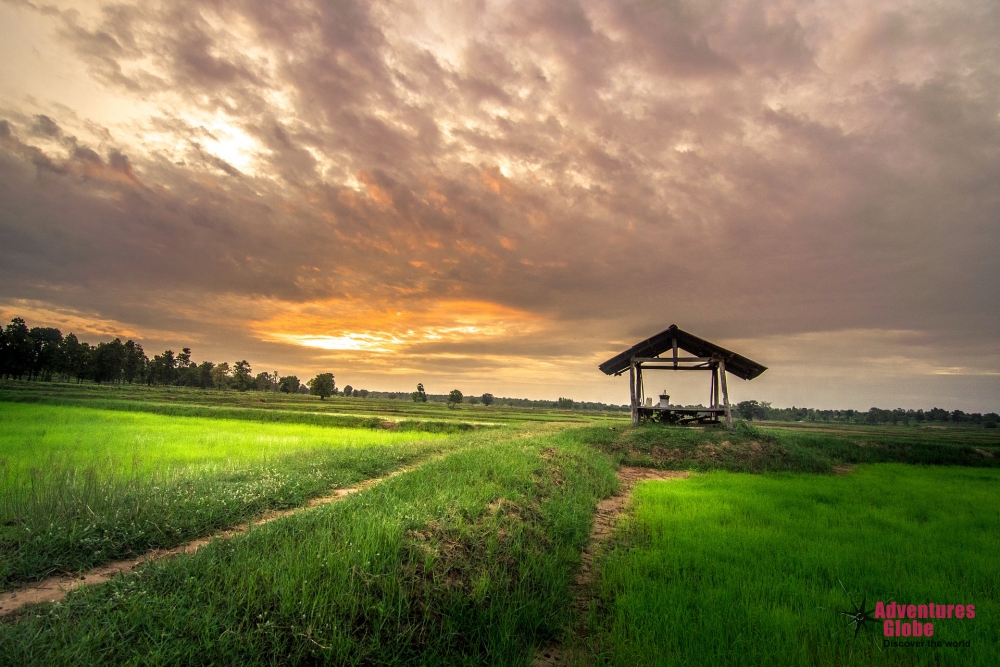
[469, 557]
[397, 414]
[465, 560]
[728, 569]
[796, 447]
[80, 487]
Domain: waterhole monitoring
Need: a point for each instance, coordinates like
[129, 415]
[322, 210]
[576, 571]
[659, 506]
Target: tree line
[762, 410]
[43, 353]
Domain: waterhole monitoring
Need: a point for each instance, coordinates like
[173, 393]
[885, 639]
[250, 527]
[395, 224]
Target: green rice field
[469, 555]
[728, 569]
[80, 487]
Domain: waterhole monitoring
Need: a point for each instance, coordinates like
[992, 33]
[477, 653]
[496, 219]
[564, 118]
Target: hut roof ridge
[657, 344]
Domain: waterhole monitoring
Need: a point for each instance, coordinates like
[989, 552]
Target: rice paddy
[470, 554]
[729, 569]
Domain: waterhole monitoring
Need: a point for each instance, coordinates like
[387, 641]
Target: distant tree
[75, 358]
[419, 396]
[289, 384]
[242, 375]
[473, 400]
[18, 349]
[747, 409]
[565, 403]
[487, 399]
[937, 415]
[454, 398]
[959, 416]
[135, 362]
[322, 385]
[205, 379]
[363, 393]
[221, 376]
[45, 344]
[163, 369]
[266, 381]
[303, 389]
[109, 360]
[348, 390]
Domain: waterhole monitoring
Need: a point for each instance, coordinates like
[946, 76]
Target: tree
[242, 375]
[487, 399]
[363, 393]
[348, 390]
[266, 381]
[454, 398]
[109, 360]
[322, 385]
[135, 361]
[45, 353]
[419, 396]
[221, 376]
[289, 384]
[163, 369]
[205, 379]
[565, 403]
[18, 349]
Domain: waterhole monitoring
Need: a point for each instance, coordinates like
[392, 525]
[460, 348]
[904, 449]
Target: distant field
[79, 486]
[296, 408]
[727, 569]
[768, 447]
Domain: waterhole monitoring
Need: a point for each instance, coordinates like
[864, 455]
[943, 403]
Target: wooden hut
[662, 352]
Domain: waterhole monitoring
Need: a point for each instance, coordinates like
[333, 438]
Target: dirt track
[54, 589]
[608, 511]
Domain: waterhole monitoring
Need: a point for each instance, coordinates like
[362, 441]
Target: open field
[465, 560]
[728, 569]
[294, 408]
[80, 487]
[469, 555]
[801, 448]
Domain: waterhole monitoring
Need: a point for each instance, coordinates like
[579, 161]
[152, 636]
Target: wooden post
[715, 379]
[713, 394]
[631, 389]
[725, 395]
[640, 390]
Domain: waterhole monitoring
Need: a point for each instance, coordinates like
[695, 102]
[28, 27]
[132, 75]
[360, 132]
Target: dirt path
[54, 589]
[607, 514]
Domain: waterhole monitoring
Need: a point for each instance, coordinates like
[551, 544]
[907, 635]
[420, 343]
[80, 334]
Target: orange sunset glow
[498, 196]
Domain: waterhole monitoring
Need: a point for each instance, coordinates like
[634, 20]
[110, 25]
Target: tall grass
[728, 569]
[80, 487]
[467, 559]
[753, 448]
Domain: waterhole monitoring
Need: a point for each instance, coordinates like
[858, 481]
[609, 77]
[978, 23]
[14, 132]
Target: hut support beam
[631, 389]
[725, 395]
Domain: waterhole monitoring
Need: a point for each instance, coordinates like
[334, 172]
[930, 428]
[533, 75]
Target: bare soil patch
[608, 511]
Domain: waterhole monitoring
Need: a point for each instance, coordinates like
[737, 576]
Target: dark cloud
[740, 168]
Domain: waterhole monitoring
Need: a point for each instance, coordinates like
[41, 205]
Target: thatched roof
[662, 342]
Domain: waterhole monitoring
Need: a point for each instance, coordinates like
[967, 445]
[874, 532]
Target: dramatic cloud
[499, 195]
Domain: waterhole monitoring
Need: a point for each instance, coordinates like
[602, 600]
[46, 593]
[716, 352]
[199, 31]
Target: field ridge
[57, 587]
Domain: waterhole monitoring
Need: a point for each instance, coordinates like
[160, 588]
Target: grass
[467, 559]
[751, 448]
[730, 569]
[294, 408]
[80, 487]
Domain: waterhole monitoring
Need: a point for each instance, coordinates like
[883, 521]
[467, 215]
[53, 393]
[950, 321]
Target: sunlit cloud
[508, 191]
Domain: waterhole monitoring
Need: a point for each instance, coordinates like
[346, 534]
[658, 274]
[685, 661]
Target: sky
[498, 196]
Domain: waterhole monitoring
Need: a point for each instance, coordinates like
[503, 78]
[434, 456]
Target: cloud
[747, 170]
